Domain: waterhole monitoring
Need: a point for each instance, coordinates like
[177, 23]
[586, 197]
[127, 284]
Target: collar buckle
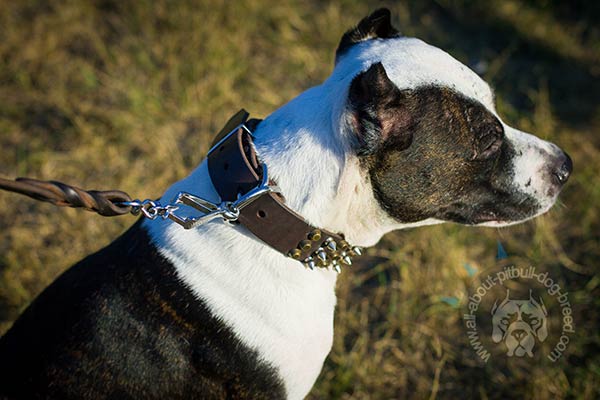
[229, 211]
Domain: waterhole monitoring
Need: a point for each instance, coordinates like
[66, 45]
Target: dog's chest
[283, 312]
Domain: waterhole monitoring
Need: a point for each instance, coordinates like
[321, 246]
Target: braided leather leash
[107, 203]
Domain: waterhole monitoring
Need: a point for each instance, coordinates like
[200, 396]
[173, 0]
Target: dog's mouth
[476, 218]
[493, 219]
[491, 214]
[488, 216]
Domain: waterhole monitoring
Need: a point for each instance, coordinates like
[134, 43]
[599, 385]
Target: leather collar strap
[235, 170]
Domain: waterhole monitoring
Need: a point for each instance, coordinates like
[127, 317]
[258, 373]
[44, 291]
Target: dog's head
[425, 128]
[518, 323]
[419, 139]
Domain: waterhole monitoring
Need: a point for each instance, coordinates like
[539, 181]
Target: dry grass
[126, 94]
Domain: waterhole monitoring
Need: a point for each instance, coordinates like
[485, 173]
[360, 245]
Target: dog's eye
[489, 142]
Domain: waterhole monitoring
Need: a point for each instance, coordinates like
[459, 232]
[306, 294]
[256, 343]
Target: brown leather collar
[235, 170]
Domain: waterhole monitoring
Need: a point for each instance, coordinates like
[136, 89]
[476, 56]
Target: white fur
[532, 175]
[411, 63]
[531, 172]
[271, 302]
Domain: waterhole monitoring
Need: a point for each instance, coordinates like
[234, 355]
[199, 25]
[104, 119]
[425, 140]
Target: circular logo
[518, 312]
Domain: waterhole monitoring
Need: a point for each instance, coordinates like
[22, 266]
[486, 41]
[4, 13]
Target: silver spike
[331, 245]
[347, 260]
[357, 250]
[337, 267]
[310, 263]
[321, 255]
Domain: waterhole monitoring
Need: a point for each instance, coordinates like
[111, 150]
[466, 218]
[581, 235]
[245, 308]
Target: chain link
[228, 210]
[150, 209]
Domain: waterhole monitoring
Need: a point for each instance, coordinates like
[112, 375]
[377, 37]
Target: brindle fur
[432, 153]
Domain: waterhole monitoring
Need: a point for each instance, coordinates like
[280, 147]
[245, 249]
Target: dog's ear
[376, 25]
[378, 111]
[494, 307]
[542, 331]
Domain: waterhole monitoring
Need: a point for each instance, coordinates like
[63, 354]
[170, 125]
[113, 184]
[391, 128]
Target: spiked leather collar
[235, 171]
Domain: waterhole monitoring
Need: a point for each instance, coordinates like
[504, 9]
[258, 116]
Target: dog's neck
[272, 302]
[305, 145]
[304, 154]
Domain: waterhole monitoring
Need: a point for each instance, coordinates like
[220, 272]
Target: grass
[118, 94]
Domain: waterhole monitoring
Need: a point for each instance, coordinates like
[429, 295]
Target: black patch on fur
[442, 156]
[376, 25]
[120, 324]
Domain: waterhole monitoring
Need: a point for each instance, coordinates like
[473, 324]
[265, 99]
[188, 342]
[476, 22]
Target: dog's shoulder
[119, 319]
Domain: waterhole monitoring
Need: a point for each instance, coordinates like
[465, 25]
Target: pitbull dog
[400, 135]
[518, 323]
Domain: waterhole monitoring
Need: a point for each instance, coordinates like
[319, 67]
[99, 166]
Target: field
[127, 94]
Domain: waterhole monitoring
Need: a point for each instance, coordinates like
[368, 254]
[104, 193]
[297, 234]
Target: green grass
[120, 94]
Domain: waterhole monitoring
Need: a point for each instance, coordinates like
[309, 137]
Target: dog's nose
[563, 169]
[518, 334]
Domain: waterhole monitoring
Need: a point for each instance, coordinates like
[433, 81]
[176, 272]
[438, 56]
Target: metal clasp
[228, 210]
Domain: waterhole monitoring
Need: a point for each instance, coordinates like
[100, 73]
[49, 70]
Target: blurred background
[128, 94]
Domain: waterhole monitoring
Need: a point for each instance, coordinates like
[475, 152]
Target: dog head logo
[519, 323]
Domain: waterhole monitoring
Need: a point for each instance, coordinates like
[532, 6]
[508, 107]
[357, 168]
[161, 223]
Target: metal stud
[305, 245]
[315, 235]
[295, 254]
[357, 250]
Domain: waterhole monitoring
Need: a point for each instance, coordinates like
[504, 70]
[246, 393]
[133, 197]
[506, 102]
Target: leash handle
[107, 203]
